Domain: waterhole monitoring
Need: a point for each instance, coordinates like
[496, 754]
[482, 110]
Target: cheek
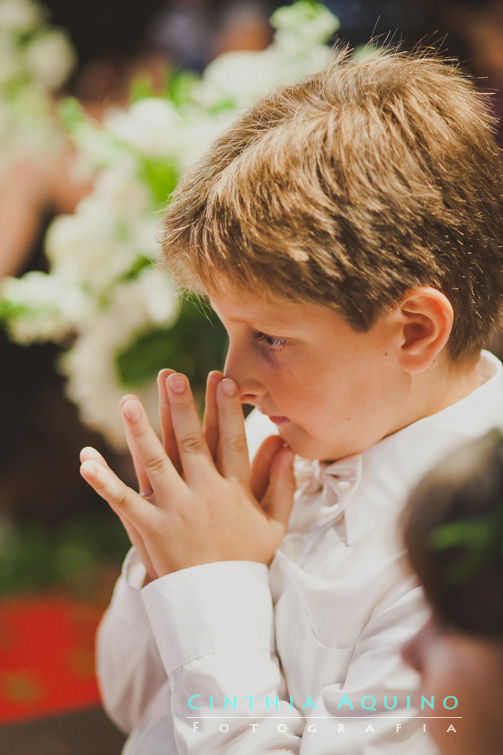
[455, 671]
[440, 673]
[306, 398]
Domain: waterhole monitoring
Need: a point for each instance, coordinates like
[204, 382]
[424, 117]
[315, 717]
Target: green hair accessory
[481, 540]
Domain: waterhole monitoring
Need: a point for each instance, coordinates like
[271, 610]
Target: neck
[442, 385]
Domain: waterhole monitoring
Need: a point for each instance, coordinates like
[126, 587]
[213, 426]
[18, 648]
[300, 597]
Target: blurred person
[454, 537]
[32, 189]
[185, 34]
[37, 187]
[40, 425]
[474, 33]
[190, 33]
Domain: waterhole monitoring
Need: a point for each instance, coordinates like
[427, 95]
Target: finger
[163, 477]
[261, 465]
[278, 500]
[234, 456]
[138, 543]
[88, 453]
[192, 448]
[144, 486]
[124, 501]
[210, 421]
[168, 434]
[91, 454]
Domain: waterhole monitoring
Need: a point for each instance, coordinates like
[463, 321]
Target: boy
[347, 232]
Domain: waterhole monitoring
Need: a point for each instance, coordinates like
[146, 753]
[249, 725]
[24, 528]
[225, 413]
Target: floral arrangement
[120, 318]
[35, 60]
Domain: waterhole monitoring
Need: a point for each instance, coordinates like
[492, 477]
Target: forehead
[263, 310]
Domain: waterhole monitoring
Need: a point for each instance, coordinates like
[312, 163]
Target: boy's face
[336, 391]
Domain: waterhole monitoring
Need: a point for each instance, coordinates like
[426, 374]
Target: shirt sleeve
[214, 628]
[221, 645]
[131, 675]
[129, 669]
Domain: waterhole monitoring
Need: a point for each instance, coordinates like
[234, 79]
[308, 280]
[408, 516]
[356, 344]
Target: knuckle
[137, 428]
[192, 443]
[236, 443]
[122, 500]
[155, 464]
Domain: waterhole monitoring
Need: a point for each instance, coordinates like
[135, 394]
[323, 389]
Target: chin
[307, 447]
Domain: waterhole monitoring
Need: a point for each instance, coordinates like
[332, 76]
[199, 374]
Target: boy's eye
[276, 344]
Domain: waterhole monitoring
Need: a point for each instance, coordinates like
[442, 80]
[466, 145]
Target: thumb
[278, 500]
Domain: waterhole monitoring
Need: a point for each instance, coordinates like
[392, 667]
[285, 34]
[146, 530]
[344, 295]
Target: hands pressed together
[200, 500]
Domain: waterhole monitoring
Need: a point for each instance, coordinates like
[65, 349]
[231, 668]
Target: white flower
[11, 61]
[309, 23]
[147, 126]
[99, 243]
[156, 293]
[239, 77]
[50, 59]
[145, 236]
[93, 382]
[34, 59]
[298, 50]
[197, 134]
[120, 187]
[19, 15]
[88, 248]
[96, 149]
[47, 307]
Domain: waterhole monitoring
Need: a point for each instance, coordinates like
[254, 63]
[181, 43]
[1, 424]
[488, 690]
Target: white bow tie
[335, 480]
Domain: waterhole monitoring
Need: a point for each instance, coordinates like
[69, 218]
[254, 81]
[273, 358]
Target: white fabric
[328, 620]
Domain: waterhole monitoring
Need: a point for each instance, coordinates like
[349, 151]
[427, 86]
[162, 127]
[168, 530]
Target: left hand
[213, 508]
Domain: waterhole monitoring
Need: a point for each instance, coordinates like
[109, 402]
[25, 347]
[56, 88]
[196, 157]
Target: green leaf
[141, 89]
[161, 176]
[141, 263]
[71, 113]
[194, 345]
[179, 85]
[11, 310]
[35, 555]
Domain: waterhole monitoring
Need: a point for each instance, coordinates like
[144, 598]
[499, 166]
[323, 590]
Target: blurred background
[102, 108]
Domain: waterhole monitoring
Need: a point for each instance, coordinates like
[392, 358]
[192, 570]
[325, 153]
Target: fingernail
[228, 387]
[161, 379]
[131, 411]
[89, 470]
[176, 383]
[86, 452]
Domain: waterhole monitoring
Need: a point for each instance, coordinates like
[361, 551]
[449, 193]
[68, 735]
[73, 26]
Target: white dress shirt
[298, 647]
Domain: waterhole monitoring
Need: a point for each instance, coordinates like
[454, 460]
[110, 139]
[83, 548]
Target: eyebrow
[255, 325]
[238, 319]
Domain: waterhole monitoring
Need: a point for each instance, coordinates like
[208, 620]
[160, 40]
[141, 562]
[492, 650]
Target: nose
[413, 652]
[241, 365]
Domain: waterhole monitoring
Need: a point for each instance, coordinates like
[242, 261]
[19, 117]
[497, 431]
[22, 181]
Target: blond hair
[349, 188]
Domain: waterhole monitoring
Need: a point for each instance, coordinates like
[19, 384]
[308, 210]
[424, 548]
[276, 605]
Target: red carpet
[46, 656]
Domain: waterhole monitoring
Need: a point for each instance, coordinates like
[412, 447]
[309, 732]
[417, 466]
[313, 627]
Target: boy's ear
[427, 317]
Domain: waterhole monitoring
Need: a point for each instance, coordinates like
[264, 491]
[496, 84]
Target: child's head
[345, 193]
[454, 537]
